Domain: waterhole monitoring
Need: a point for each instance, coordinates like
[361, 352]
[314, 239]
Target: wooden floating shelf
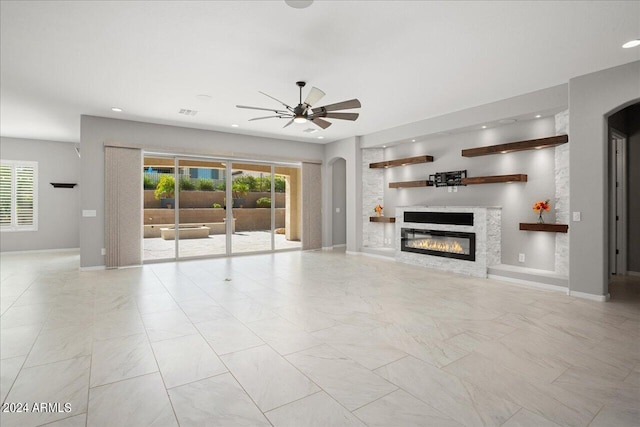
[409, 184]
[519, 177]
[401, 162]
[536, 226]
[511, 147]
[387, 219]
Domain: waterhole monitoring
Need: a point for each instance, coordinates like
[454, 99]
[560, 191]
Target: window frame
[13, 165]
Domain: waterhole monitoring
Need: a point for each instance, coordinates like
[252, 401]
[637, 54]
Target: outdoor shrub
[165, 188]
[187, 185]
[216, 205]
[248, 180]
[149, 183]
[205, 185]
[240, 189]
[222, 186]
[263, 202]
[280, 184]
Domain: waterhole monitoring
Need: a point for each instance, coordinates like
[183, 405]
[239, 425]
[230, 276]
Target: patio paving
[244, 241]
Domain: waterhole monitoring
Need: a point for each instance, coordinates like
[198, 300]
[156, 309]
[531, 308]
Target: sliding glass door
[159, 208]
[205, 207]
[201, 216]
[253, 223]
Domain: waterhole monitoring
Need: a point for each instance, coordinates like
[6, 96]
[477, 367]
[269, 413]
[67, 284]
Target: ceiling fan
[305, 111]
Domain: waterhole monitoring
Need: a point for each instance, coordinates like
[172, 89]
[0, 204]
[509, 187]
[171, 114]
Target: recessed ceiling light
[484, 127]
[503, 152]
[631, 43]
[203, 97]
[538, 116]
[413, 140]
[321, 137]
[507, 121]
[116, 109]
[384, 146]
[234, 125]
[298, 4]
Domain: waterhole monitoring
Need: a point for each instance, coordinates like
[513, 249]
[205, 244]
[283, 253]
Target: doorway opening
[624, 203]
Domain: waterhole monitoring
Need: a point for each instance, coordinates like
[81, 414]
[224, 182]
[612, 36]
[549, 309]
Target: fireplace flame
[437, 245]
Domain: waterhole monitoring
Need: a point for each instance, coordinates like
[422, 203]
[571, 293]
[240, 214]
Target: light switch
[337, 210]
[576, 216]
[88, 213]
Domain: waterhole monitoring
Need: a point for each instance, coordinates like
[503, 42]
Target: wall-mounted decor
[402, 162]
[63, 184]
[448, 179]
[530, 144]
[409, 184]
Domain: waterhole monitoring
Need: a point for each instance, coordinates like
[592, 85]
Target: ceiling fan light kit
[305, 111]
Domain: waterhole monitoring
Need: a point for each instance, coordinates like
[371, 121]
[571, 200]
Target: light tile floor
[309, 339]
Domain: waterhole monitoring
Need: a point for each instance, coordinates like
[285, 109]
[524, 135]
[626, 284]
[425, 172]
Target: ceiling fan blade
[342, 116]
[344, 105]
[266, 117]
[288, 123]
[276, 99]
[314, 96]
[322, 123]
[263, 109]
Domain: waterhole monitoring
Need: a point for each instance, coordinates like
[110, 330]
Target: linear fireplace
[448, 244]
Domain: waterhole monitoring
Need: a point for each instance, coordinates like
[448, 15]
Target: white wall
[58, 208]
[516, 199]
[349, 150]
[95, 131]
[549, 101]
[339, 201]
[592, 98]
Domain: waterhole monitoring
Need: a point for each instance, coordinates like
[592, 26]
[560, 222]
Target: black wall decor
[448, 179]
[63, 184]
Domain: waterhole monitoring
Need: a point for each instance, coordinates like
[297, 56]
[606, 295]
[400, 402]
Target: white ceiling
[405, 60]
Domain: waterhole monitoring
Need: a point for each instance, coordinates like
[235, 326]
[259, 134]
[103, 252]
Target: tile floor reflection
[309, 339]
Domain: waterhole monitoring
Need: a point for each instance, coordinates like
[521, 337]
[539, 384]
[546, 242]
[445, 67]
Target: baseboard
[38, 251]
[93, 268]
[129, 266]
[340, 245]
[633, 273]
[352, 253]
[528, 283]
[592, 297]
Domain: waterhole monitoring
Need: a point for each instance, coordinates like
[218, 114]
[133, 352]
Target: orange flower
[542, 206]
[378, 209]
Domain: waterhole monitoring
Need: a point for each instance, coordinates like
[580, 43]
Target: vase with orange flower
[378, 210]
[540, 207]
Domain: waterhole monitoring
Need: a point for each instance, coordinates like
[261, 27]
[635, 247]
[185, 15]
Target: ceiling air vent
[187, 112]
[310, 130]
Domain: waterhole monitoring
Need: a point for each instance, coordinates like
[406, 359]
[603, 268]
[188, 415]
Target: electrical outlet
[103, 251]
[337, 210]
[449, 189]
[455, 188]
[520, 257]
[576, 216]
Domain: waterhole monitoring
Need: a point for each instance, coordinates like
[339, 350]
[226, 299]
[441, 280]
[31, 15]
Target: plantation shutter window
[18, 195]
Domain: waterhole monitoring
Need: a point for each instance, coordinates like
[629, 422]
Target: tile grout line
[155, 358]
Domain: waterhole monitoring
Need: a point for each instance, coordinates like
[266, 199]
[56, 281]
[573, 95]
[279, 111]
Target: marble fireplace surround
[486, 226]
